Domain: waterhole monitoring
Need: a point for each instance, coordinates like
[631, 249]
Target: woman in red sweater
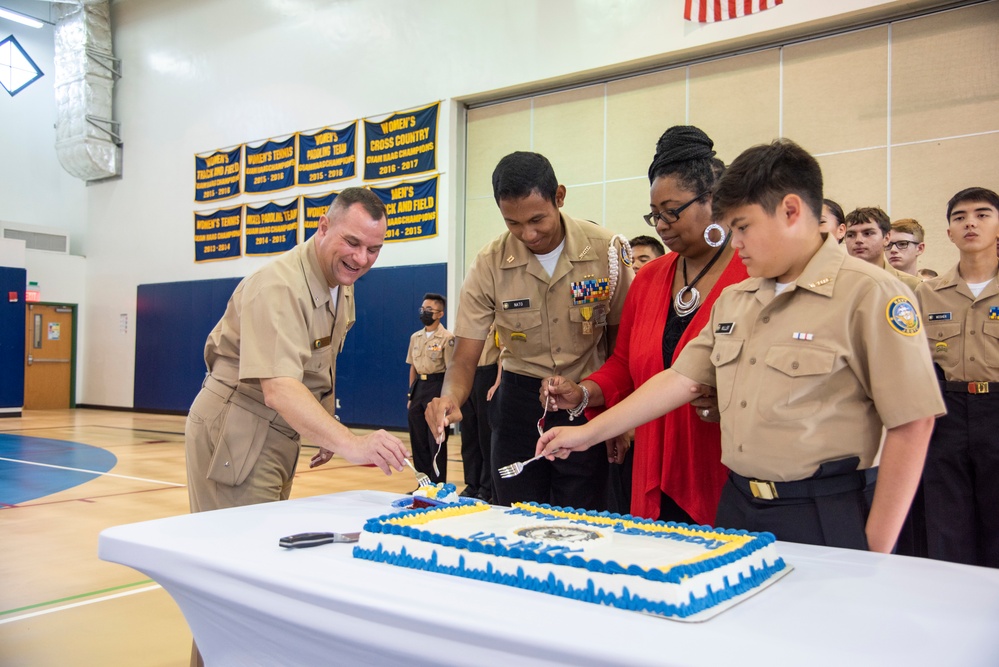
[677, 475]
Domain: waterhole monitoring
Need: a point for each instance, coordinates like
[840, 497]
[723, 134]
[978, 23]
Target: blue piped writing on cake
[591, 593]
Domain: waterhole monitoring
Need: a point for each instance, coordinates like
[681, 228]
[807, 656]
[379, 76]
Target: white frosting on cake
[665, 565]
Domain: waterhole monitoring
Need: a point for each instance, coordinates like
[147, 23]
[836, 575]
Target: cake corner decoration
[666, 569]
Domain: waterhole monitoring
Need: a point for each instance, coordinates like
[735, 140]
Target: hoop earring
[714, 226]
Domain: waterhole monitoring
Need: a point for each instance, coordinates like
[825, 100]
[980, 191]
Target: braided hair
[685, 152]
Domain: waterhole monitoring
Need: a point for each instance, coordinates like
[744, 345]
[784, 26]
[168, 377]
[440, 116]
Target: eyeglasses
[430, 310]
[901, 245]
[669, 215]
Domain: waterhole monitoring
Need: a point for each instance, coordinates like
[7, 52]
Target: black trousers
[619, 483]
[961, 481]
[837, 520]
[578, 481]
[420, 437]
[477, 432]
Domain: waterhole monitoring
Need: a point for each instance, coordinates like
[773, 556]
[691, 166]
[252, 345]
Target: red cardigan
[676, 454]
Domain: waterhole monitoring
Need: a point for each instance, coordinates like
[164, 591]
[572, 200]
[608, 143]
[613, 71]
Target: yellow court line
[79, 604]
[92, 472]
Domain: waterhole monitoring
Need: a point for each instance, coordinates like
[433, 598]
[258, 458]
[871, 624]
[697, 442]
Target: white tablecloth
[250, 602]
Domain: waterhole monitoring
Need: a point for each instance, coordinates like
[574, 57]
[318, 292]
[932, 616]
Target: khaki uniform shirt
[543, 327]
[811, 375]
[430, 354]
[280, 322]
[491, 350]
[963, 331]
[909, 280]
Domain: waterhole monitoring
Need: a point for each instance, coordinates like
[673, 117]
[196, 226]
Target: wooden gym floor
[61, 605]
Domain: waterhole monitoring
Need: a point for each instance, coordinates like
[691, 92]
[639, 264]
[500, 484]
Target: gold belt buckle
[422, 376]
[763, 490]
[978, 387]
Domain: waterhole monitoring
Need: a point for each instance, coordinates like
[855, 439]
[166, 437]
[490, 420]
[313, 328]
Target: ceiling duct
[88, 142]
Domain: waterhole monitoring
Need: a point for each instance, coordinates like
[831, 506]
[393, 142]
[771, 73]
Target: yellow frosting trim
[733, 542]
[421, 518]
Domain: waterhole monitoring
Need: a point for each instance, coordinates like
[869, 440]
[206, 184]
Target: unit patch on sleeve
[902, 316]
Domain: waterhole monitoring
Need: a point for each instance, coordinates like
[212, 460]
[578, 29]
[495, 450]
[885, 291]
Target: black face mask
[427, 317]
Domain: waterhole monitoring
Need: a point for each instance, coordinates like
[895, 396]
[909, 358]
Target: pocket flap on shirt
[797, 361]
[725, 350]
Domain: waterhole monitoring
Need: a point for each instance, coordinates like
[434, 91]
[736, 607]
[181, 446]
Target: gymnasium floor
[61, 605]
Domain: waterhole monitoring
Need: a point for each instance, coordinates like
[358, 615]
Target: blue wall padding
[174, 319]
[12, 337]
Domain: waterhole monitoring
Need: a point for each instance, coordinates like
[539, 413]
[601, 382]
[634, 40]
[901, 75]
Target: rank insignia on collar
[582, 253]
[725, 328]
[510, 259]
[902, 316]
[819, 283]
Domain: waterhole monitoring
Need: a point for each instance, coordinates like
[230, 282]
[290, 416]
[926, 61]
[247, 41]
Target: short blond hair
[909, 226]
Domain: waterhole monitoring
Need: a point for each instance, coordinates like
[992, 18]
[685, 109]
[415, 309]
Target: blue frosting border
[673, 575]
[552, 586]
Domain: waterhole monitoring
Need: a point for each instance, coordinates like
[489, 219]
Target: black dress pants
[477, 433]
[578, 481]
[425, 449]
[961, 481]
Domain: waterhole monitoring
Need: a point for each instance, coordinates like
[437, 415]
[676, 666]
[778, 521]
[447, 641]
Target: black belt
[805, 488]
[969, 387]
[518, 380]
[430, 376]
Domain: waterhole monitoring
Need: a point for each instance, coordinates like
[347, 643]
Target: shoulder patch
[625, 256]
[902, 316]
[450, 342]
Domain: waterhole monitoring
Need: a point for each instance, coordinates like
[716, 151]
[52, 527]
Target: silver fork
[517, 467]
[421, 478]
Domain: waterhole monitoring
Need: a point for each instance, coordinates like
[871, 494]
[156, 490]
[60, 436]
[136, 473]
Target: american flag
[708, 11]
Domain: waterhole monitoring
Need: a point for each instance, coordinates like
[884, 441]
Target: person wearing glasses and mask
[677, 472]
[905, 245]
[429, 355]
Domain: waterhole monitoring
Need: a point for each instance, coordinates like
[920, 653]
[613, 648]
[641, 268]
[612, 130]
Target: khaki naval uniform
[279, 322]
[806, 380]
[429, 356]
[961, 477]
[909, 280]
[546, 330]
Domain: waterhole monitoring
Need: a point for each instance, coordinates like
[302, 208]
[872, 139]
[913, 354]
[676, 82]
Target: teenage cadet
[272, 362]
[961, 477]
[905, 245]
[429, 354]
[555, 288]
[807, 356]
[476, 425]
[644, 249]
[867, 231]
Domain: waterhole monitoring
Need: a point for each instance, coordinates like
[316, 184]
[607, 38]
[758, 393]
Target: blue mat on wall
[174, 319]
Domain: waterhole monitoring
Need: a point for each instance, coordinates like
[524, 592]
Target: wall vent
[50, 240]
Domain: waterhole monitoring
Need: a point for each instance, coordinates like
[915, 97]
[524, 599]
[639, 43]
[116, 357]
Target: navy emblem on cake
[560, 534]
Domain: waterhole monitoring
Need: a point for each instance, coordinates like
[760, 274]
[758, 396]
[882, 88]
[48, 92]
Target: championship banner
[216, 235]
[216, 175]
[270, 166]
[401, 145]
[271, 228]
[327, 155]
[315, 208]
[411, 209]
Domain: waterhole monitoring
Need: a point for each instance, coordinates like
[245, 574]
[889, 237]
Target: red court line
[90, 499]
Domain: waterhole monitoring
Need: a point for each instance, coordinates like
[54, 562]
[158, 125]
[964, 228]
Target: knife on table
[302, 540]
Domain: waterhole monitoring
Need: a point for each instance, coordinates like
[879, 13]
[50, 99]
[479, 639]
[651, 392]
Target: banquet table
[250, 602]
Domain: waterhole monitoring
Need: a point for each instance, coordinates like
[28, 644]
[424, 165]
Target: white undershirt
[976, 288]
[549, 260]
[780, 287]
